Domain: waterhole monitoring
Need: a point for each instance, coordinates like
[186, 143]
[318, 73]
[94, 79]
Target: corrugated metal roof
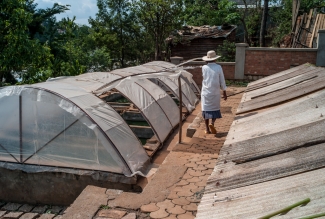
[188, 33]
[258, 200]
[282, 87]
[275, 157]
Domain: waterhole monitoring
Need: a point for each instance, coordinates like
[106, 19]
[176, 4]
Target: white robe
[213, 81]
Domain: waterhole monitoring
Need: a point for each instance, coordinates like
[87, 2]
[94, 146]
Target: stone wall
[268, 61]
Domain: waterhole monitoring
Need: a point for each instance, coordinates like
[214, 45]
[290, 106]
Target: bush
[227, 51]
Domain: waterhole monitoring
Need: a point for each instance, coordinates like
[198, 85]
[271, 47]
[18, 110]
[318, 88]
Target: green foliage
[35, 46]
[157, 19]
[207, 12]
[115, 22]
[104, 207]
[18, 51]
[227, 51]
[234, 83]
[281, 16]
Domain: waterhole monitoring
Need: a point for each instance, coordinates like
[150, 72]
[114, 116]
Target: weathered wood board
[258, 200]
[231, 175]
[278, 77]
[285, 127]
[276, 96]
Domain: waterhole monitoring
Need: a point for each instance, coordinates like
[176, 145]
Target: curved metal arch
[92, 120]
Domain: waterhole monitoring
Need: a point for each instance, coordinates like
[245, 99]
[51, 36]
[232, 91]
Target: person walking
[213, 81]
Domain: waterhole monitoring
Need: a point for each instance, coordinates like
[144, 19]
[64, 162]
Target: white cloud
[82, 9]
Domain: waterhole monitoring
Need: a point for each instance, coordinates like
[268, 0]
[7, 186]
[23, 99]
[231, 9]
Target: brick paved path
[200, 156]
[175, 190]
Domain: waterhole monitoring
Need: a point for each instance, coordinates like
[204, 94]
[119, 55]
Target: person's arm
[223, 84]
[224, 95]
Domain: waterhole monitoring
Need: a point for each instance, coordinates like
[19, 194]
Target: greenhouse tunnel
[69, 124]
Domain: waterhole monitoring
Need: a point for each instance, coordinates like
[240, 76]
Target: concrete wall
[55, 188]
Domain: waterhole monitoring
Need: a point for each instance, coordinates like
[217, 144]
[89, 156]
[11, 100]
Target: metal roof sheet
[275, 157]
[282, 88]
[258, 200]
[188, 33]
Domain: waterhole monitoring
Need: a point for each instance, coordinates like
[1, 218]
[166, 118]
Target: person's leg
[213, 121]
[212, 128]
[207, 126]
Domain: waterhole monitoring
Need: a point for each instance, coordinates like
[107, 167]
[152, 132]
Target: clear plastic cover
[9, 125]
[174, 88]
[148, 106]
[187, 91]
[56, 132]
[167, 104]
[64, 124]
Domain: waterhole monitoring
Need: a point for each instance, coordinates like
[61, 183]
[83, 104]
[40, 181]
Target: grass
[104, 207]
[236, 83]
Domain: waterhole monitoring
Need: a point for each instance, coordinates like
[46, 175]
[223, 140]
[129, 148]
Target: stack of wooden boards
[305, 29]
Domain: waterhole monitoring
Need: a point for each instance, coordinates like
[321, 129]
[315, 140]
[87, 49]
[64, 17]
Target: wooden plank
[282, 85]
[323, 22]
[263, 145]
[281, 76]
[309, 18]
[297, 32]
[276, 77]
[231, 176]
[284, 95]
[304, 36]
[313, 33]
[255, 201]
[317, 28]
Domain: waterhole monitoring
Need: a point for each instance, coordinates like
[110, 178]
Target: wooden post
[180, 110]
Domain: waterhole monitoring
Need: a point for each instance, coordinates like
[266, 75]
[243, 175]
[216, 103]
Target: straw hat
[211, 55]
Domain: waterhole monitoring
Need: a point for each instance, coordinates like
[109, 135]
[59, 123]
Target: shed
[194, 41]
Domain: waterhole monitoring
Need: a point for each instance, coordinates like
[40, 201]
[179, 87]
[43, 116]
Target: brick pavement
[176, 189]
[201, 154]
[26, 211]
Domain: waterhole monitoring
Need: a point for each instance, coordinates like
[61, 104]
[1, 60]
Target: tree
[158, 18]
[263, 24]
[116, 28]
[210, 12]
[42, 15]
[18, 51]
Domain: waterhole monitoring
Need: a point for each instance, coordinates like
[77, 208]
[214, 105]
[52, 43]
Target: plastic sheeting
[64, 124]
[56, 132]
[148, 106]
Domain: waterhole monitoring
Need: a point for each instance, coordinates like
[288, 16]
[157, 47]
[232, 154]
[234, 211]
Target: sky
[82, 9]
